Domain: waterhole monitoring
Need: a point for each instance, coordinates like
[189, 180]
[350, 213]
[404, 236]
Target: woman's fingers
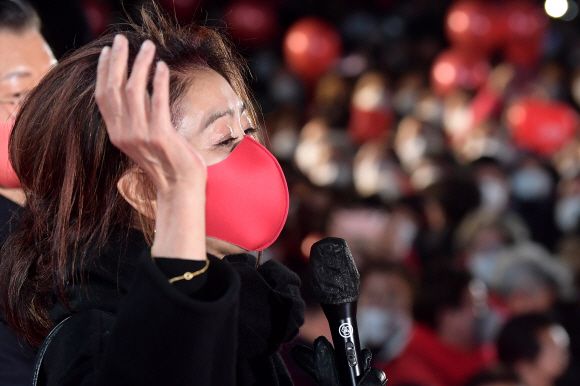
[160, 114]
[136, 88]
[141, 126]
[102, 75]
[117, 76]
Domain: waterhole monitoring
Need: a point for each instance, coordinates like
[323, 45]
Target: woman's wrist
[180, 224]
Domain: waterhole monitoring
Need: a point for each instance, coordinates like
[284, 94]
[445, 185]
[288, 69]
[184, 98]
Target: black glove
[319, 363]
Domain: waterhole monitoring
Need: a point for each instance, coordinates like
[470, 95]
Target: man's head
[450, 301]
[534, 346]
[385, 309]
[24, 54]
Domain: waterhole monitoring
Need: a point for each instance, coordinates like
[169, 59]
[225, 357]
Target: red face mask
[246, 197]
[8, 177]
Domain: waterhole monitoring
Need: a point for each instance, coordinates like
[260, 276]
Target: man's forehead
[21, 55]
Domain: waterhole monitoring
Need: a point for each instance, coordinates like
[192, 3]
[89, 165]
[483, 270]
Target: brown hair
[69, 169]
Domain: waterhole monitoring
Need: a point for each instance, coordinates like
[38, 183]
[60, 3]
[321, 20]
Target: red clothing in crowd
[427, 361]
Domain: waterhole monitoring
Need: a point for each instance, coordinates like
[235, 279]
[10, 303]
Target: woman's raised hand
[140, 126]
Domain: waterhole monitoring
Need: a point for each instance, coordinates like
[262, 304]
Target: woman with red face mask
[146, 184]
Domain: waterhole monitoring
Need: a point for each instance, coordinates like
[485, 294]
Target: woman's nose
[238, 133]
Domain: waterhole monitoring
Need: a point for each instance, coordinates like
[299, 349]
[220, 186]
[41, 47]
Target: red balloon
[525, 23]
[98, 15]
[523, 54]
[254, 23]
[311, 47]
[184, 10]
[454, 69]
[474, 25]
[542, 126]
[524, 20]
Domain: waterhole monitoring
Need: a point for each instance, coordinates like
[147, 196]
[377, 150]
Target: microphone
[336, 285]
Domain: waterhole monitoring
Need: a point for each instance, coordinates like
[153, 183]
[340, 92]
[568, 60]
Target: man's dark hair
[18, 16]
[518, 339]
[440, 290]
[387, 267]
[457, 193]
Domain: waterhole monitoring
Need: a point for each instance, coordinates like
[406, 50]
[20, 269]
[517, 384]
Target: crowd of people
[466, 236]
[460, 201]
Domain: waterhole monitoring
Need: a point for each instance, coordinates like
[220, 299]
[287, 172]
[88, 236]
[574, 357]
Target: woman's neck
[15, 195]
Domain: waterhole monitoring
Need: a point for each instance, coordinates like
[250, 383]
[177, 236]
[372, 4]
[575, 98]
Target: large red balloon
[253, 22]
[542, 126]
[524, 20]
[184, 10]
[311, 47]
[525, 23]
[456, 69]
[474, 25]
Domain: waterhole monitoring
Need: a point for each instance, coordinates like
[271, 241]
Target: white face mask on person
[494, 193]
[483, 265]
[385, 330]
[531, 184]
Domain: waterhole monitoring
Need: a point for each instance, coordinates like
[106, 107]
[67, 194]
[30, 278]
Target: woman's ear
[133, 188]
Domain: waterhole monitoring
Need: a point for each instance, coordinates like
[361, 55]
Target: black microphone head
[333, 274]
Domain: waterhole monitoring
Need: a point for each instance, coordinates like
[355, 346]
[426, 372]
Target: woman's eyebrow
[218, 114]
[215, 116]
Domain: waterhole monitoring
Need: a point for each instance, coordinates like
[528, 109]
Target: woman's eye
[227, 141]
[19, 97]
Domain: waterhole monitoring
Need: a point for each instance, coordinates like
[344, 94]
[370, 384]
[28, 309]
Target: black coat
[16, 357]
[131, 327]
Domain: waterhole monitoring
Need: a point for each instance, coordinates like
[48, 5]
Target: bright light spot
[445, 73]
[556, 8]
[298, 42]
[458, 21]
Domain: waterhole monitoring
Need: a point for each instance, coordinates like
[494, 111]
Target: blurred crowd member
[496, 376]
[533, 184]
[363, 228]
[482, 235]
[377, 234]
[445, 348]
[493, 181]
[24, 60]
[535, 348]
[528, 279]
[444, 209]
[415, 140]
[385, 310]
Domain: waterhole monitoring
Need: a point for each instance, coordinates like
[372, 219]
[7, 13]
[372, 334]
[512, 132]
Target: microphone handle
[342, 321]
